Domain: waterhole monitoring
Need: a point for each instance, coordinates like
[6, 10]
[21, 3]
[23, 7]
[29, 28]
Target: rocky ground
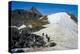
[22, 40]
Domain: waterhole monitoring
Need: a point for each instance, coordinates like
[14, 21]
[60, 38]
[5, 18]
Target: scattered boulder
[52, 44]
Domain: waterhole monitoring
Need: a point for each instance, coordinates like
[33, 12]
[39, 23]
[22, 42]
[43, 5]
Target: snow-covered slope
[62, 30]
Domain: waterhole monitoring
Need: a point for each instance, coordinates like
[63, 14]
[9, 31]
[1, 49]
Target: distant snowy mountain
[62, 29]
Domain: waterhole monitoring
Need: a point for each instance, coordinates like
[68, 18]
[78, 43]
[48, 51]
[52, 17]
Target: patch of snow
[30, 26]
[14, 27]
[41, 18]
[21, 27]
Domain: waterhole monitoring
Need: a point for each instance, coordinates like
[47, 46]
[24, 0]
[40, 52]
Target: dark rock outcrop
[73, 17]
[25, 39]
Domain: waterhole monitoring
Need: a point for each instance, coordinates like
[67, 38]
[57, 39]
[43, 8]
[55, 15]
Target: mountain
[20, 16]
[35, 11]
[62, 30]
